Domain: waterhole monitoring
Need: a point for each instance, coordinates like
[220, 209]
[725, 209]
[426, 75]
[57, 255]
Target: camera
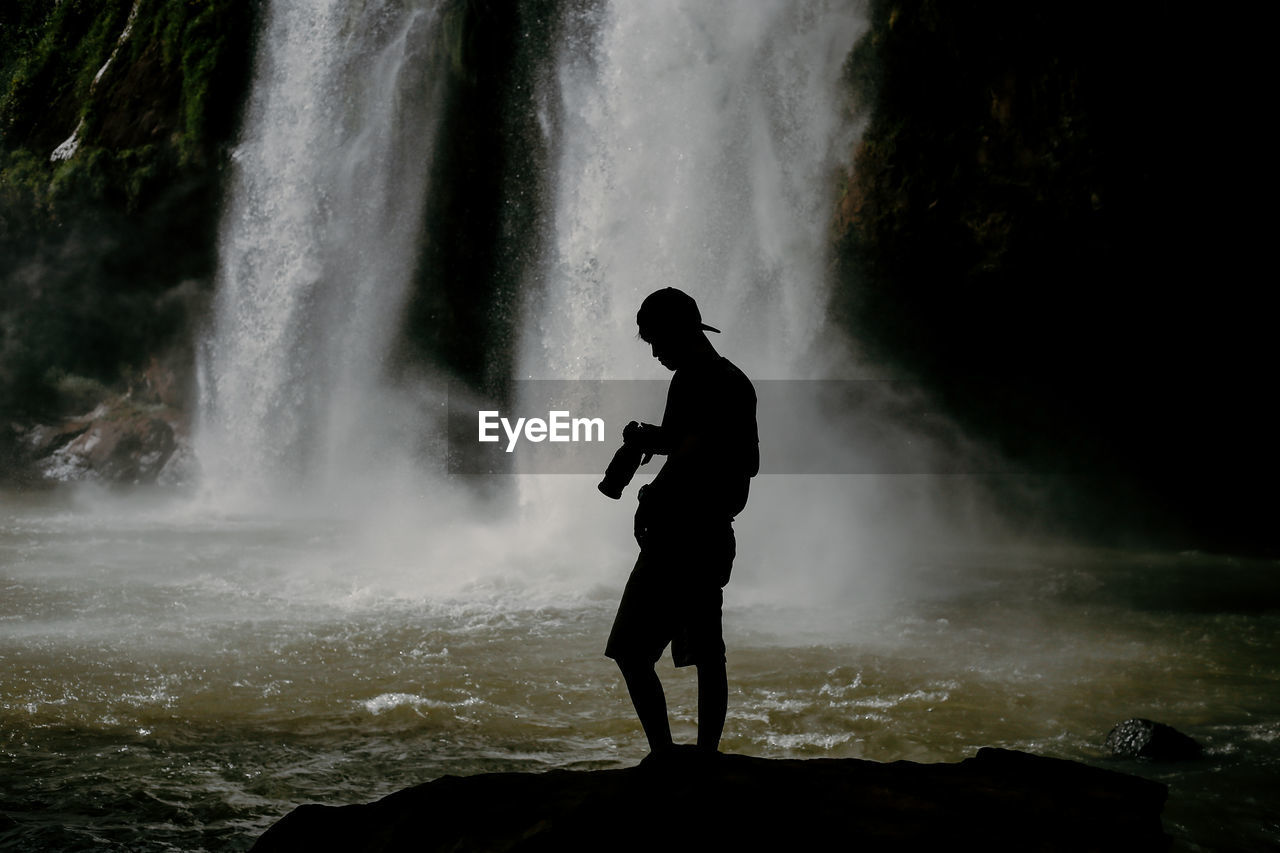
[636, 450]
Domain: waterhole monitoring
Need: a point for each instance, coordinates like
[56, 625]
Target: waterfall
[692, 143]
[698, 149]
[319, 241]
[699, 145]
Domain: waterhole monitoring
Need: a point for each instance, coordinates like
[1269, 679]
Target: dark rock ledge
[997, 800]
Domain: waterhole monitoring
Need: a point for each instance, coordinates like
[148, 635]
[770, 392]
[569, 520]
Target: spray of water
[698, 148]
[318, 245]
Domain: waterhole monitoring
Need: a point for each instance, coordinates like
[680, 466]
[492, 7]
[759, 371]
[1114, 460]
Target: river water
[177, 679]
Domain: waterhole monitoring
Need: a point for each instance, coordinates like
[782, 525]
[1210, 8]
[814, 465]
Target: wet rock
[1139, 738]
[130, 450]
[997, 800]
[44, 439]
[118, 442]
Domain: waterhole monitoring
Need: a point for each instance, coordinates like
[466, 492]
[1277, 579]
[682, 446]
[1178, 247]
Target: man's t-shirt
[712, 442]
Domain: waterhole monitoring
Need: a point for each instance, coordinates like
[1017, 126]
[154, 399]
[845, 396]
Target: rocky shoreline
[996, 800]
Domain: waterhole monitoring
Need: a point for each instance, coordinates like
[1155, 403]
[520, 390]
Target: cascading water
[698, 147]
[694, 144]
[738, 107]
[319, 242]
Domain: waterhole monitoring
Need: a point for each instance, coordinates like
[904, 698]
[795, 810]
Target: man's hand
[647, 437]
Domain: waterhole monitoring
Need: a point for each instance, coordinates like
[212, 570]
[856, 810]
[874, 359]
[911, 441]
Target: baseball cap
[671, 309]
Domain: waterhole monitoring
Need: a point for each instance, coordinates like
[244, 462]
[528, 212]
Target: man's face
[666, 352]
[672, 349]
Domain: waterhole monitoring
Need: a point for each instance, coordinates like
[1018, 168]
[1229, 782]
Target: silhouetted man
[684, 521]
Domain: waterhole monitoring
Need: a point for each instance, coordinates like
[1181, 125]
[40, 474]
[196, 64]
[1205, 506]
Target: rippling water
[173, 681]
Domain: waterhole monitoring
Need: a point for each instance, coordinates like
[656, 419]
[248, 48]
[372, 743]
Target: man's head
[671, 323]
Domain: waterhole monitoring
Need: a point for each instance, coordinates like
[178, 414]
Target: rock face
[998, 800]
[1138, 738]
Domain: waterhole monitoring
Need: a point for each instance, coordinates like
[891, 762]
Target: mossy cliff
[116, 119]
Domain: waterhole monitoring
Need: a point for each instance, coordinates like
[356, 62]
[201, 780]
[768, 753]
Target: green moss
[91, 244]
[47, 87]
[23, 186]
[76, 394]
[168, 103]
[203, 54]
[21, 25]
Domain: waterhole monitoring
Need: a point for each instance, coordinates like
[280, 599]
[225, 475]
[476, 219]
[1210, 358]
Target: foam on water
[384, 702]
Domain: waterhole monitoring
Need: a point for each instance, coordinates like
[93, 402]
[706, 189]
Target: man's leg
[713, 703]
[651, 703]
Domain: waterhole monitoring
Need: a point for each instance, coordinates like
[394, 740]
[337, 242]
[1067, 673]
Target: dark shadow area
[487, 189]
[1050, 226]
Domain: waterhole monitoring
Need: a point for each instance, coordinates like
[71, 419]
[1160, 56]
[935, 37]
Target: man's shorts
[673, 597]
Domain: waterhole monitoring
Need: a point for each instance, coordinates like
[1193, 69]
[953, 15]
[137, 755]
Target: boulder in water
[1139, 738]
[118, 442]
